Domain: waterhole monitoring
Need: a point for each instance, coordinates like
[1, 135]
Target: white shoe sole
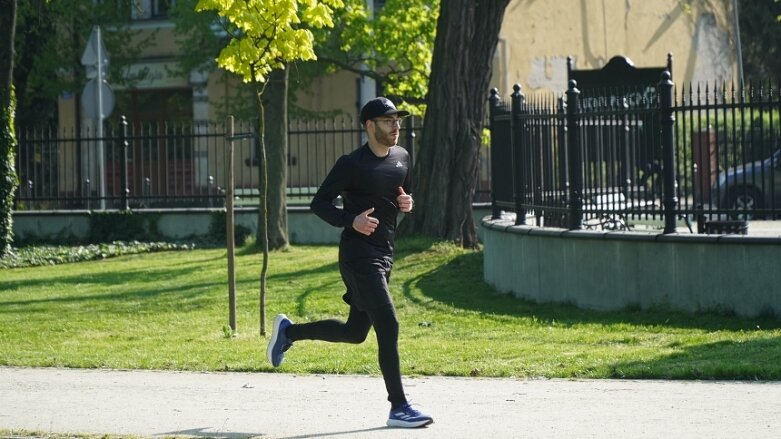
[274, 336]
[407, 424]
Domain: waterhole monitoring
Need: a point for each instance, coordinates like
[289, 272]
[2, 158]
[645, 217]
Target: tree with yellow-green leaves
[264, 36]
[392, 44]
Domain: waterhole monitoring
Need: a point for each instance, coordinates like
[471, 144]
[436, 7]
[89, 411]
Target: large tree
[447, 166]
[760, 33]
[8, 180]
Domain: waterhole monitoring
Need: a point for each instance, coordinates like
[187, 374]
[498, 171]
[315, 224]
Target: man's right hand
[364, 223]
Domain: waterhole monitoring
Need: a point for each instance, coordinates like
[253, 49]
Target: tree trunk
[7, 33]
[263, 206]
[8, 179]
[447, 166]
[272, 161]
[275, 103]
[36, 22]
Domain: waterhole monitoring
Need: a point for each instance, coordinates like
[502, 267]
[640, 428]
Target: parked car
[752, 186]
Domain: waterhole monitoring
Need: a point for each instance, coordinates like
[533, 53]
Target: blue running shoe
[279, 342]
[406, 416]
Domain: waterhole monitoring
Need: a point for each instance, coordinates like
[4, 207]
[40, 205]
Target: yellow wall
[222, 88]
[537, 37]
[165, 43]
[332, 93]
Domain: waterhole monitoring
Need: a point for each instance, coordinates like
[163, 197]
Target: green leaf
[273, 33]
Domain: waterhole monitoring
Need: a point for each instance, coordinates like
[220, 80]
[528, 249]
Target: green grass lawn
[169, 310]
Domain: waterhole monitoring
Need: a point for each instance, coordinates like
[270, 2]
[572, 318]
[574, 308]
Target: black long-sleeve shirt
[365, 181]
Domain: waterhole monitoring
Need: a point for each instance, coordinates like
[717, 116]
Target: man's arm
[404, 200]
[333, 185]
[404, 192]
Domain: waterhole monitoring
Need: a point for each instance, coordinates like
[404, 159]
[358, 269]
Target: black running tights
[355, 330]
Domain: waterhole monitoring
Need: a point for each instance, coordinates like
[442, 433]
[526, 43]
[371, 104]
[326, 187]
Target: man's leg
[354, 330]
[386, 327]
[402, 414]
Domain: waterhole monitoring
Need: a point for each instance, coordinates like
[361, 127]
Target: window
[151, 9]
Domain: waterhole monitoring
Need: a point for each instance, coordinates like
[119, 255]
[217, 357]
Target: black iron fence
[127, 164]
[611, 158]
[147, 165]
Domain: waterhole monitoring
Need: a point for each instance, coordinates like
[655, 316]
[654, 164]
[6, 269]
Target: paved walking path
[276, 405]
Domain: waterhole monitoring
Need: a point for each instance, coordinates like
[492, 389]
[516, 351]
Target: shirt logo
[398, 164]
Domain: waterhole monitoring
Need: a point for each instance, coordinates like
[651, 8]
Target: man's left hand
[404, 201]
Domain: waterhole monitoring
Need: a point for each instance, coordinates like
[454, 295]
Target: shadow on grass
[129, 279]
[115, 288]
[331, 267]
[460, 284]
[182, 299]
[302, 298]
[758, 359]
[112, 273]
[137, 280]
[412, 244]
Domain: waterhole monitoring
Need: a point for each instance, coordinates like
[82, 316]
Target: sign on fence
[618, 79]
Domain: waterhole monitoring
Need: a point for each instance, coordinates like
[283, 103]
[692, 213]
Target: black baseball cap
[380, 106]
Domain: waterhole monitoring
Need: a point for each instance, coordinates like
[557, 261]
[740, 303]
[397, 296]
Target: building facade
[536, 39]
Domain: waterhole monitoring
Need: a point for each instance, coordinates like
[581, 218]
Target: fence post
[229, 225]
[575, 165]
[209, 186]
[125, 185]
[668, 152]
[519, 176]
[562, 156]
[625, 172]
[410, 126]
[493, 101]
[87, 194]
[537, 154]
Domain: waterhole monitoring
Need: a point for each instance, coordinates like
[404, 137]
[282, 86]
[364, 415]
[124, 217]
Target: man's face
[386, 130]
